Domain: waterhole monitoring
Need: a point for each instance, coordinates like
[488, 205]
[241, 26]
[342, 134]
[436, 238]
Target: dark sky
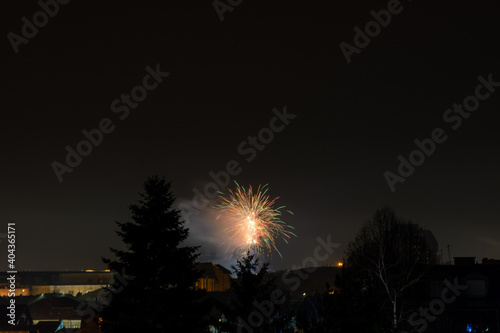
[327, 165]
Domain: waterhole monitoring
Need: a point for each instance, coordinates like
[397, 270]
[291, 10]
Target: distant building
[64, 282]
[214, 277]
[487, 261]
[471, 294]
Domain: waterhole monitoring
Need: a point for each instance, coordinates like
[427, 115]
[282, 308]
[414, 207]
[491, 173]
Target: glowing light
[253, 222]
[340, 264]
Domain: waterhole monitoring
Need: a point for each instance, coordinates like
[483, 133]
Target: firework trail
[253, 223]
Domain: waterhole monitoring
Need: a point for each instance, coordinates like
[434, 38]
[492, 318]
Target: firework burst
[252, 221]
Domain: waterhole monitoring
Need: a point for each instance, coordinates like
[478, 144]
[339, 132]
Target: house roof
[54, 307]
[210, 270]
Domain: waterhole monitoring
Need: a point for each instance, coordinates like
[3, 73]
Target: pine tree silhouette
[161, 297]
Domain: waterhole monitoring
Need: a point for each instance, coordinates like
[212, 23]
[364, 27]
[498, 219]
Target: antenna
[449, 255]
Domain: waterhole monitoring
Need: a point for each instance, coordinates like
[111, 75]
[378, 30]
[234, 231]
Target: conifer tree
[161, 297]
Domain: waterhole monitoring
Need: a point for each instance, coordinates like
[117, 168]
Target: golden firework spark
[253, 222]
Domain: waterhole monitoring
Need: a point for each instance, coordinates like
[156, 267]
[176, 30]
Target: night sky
[352, 120]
